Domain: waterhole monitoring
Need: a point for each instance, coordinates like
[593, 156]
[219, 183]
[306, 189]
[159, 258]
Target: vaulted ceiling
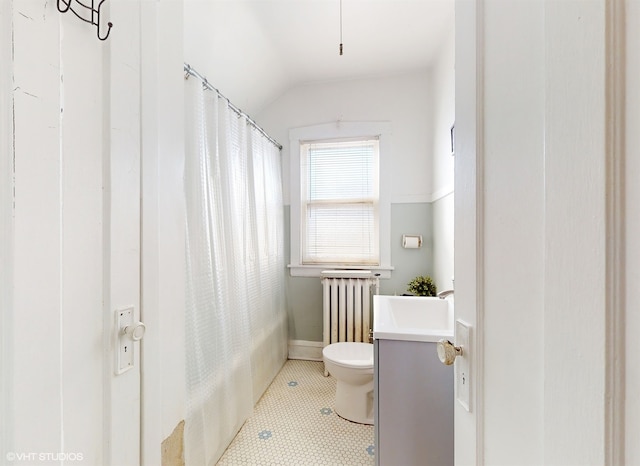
[254, 50]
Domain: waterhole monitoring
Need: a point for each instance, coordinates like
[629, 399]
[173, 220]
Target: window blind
[339, 189]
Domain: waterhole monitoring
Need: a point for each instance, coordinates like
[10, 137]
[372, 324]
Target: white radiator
[347, 305]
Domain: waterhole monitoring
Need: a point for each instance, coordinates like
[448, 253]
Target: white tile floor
[294, 423]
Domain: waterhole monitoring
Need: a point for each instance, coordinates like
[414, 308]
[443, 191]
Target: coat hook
[109, 24]
[67, 6]
[94, 13]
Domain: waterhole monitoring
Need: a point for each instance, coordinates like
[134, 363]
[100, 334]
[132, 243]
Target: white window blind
[339, 202]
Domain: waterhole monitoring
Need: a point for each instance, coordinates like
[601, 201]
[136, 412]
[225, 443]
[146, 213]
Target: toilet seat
[350, 354]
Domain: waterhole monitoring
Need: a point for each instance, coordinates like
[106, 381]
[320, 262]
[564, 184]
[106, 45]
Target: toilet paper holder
[411, 241]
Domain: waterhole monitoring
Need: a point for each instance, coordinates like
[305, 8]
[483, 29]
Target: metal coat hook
[95, 13]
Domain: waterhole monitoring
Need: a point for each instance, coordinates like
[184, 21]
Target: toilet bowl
[352, 366]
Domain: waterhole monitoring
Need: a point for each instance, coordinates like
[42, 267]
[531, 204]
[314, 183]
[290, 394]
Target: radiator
[347, 305]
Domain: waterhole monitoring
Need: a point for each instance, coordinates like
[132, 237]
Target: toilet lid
[352, 354]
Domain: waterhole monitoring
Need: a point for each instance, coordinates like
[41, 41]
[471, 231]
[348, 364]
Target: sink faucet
[444, 294]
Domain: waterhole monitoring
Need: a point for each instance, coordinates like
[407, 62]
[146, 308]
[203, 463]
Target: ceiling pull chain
[341, 27]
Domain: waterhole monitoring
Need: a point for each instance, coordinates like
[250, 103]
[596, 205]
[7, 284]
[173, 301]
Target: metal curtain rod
[191, 72]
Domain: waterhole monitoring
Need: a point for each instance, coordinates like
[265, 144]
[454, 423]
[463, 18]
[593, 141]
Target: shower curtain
[236, 339]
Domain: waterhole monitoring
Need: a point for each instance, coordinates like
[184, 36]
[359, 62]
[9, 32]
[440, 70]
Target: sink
[412, 318]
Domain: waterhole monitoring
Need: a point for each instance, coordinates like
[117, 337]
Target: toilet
[352, 366]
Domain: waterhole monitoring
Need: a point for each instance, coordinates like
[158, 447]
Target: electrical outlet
[463, 365]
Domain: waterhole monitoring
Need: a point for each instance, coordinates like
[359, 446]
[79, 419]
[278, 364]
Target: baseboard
[306, 350]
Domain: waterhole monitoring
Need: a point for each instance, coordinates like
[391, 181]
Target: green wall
[304, 295]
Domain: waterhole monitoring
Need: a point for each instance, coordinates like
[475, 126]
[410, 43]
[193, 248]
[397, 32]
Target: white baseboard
[306, 350]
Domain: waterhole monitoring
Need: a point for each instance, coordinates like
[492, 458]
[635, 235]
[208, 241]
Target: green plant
[422, 286]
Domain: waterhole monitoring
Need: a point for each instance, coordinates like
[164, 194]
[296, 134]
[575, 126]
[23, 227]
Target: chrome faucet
[444, 294]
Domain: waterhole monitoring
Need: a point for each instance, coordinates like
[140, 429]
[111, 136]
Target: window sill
[314, 270]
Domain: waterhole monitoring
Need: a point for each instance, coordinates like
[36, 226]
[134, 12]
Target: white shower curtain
[236, 317]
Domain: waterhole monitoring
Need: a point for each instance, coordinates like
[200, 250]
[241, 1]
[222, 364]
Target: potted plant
[422, 286]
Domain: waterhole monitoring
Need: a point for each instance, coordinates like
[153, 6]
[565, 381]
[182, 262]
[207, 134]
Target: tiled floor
[294, 423]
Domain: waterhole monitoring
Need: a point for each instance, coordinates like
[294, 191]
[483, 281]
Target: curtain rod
[191, 72]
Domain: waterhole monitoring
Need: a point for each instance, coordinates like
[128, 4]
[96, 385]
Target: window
[339, 202]
[339, 196]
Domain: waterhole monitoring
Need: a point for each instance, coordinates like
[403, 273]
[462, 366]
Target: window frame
[341, 131]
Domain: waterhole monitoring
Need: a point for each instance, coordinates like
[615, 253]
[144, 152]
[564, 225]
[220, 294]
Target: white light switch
[463, 365]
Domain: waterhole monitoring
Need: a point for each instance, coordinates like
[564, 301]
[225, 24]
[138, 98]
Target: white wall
[443, 91]
[403, 100]
[443, 242]
[214, 28]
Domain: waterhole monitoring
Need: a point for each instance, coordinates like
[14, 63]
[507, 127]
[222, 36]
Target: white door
[467, 230]
[122, 233]
[539, 275]
[72, 236]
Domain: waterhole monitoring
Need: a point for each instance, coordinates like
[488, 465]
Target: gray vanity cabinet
[414, 405]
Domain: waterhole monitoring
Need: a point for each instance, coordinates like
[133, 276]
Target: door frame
[468, 219]
[6, 226]
[616, 265]
[163, 266]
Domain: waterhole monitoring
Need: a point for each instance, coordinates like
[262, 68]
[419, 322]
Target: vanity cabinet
[414, 399]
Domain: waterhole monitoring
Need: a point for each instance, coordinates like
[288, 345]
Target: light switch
[463, 365]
